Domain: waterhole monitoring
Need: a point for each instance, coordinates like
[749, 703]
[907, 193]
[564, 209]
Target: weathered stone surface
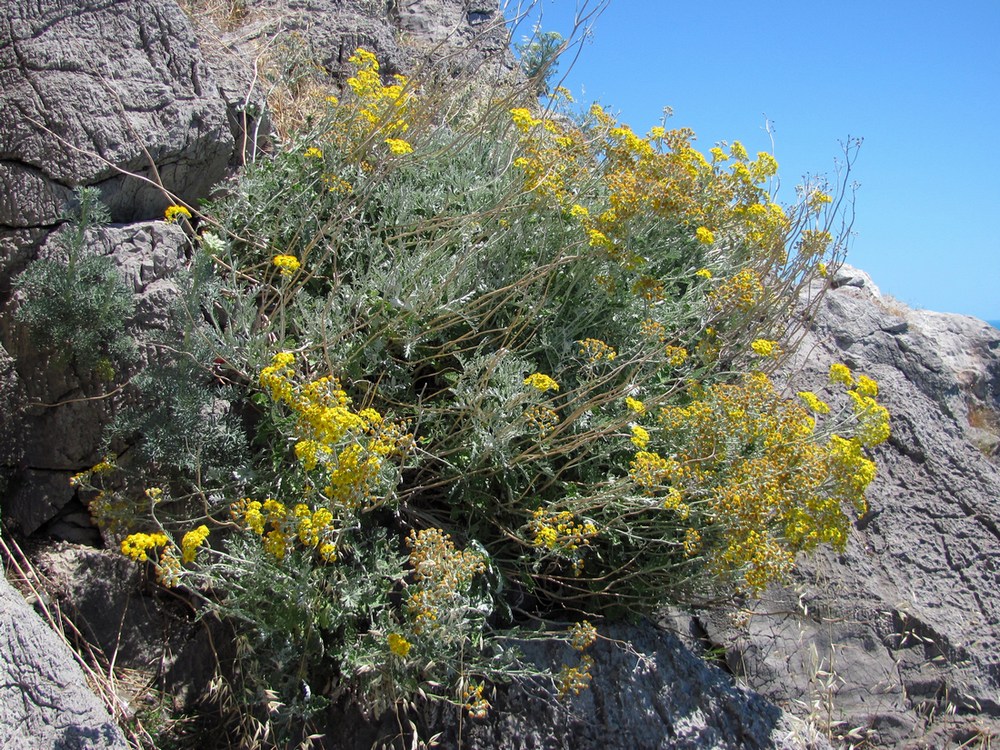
[44, 698]
[458, 37]
[90, 90]
[61, 412]
[904, 626]
[118, 609]
[648, 691]
[653, 693]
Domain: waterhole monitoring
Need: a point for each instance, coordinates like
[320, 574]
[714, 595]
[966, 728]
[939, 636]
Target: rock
[44, 698]
[648, 691]
[115, 95]
[122, 612]
[904, 626]
[61, 421]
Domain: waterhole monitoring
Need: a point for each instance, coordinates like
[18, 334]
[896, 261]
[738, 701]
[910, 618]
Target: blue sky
[918, 81]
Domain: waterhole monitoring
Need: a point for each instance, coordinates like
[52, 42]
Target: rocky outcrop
[893, 642]
[45, 701]
[899, 636]
[110, 94]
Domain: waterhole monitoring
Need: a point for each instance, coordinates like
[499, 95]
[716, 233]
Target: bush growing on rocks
[490, 369]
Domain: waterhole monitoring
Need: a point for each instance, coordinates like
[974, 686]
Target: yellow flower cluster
[349, 447]
[814, 403]
[375, 112]
[442, 577]
[640, 436]
[595, 350]
[771, 486]
[741, 292]
[765, 348]
[634, 404]
[651, 471]
[582, 635]
[541, 418]
[541, 382]
[398, 146]
[286, 264]
[398, 645]
[475, 705]
[279, 528]
[841, 373]
[574, 680]
[173, 213]
[136, 546]
[704, 235]
[560, 530]
[191, 541]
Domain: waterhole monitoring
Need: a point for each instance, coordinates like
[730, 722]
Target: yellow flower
[287, 264]
[398, 146]
[173, 213]
[811, 400]
[866, 386]
[704, 235]
[137, 545]
[676, 355]
[823, 271]
[635, 405]
[595, 350]
[703, 273]
[399, 645]
[541, 382]
[765, 348]
[191, 541]
[314, 153]
[840, 373]
[640, 436]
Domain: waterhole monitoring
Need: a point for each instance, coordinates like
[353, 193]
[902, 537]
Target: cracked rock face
[45, 701]
[91, 90]
[903, 628]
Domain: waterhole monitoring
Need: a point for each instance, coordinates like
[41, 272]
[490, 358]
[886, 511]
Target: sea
[994, 323]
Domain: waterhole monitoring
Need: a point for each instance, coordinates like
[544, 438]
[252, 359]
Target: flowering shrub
[493, 360]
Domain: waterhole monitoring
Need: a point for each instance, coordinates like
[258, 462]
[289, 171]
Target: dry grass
[119, 689]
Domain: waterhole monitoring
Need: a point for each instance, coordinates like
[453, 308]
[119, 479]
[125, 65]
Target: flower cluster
[286, 264]
[770, 485]
[541, 382]
[175, 213]
[191, 541]
[377, 112]
[475, 705]
[595, 350]
[442, 577]
[398, 645]
[136, 546]
[281, 528]
[560, 530]
[349, 447]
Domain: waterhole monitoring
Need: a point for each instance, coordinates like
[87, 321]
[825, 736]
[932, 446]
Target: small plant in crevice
[75, 302]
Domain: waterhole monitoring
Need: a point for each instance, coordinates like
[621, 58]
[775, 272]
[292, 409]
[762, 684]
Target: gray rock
[44, 698]
[121, 611]
[648, 691]
[60, 420]
[111, 94]
[904, 626]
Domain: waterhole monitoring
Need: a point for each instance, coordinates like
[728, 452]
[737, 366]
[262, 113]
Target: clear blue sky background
[918, 80]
